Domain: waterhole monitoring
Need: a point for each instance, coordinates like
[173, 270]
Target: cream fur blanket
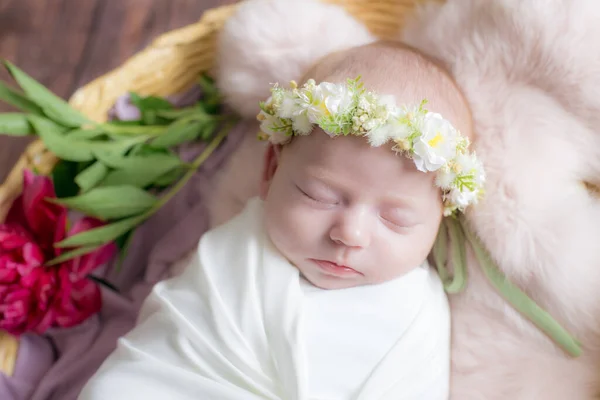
[531, 72]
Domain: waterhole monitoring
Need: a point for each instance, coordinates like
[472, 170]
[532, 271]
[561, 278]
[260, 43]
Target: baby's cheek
[297, 223]
[284, 228]
[397, 258]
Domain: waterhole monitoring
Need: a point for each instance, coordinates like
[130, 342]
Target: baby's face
[347, 214]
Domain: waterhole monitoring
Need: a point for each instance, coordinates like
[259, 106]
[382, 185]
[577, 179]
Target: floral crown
[348, 109]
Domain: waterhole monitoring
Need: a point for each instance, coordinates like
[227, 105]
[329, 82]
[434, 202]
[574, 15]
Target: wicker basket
[169, 65]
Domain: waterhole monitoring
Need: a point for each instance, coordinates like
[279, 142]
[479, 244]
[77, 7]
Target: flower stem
[134, 130]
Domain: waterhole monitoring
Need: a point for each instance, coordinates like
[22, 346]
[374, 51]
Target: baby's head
[347, 213]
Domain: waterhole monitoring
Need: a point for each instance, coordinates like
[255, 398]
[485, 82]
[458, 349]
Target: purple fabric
[35, 357]
[80, 351]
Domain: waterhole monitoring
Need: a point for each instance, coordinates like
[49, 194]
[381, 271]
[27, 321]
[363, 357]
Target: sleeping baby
[320, 288]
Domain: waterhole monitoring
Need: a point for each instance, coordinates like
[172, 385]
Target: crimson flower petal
[45, 220]
[80, 267]
[84, 299]
[19, 254]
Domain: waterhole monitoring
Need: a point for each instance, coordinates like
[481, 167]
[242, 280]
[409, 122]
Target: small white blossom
[469, 164]
[338, 98]
[464, 198]
[268, 126]
[414, 117]
[289, 106]
[363, 104]
[436, 145]
[370, 125]
[310, 101]
[302, 125]
[445, 178]
[381, 135]
[465, 163]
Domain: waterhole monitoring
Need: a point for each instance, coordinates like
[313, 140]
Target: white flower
[381, 114]
[367, 102]
[268, 126]
[338, 98]
[310, 101]
[364, 104]
[465, 162]
[399, 129]
[462, 199]
[445, 178]
[448, 211]
[289, 105]
[302, 124]
[380, 136]
[268, 107]
[276, 98]
[371, 124]
[394, 129]
[279, 138]
[390, 126]
[436, 145]
[469, 164]
[413, 115]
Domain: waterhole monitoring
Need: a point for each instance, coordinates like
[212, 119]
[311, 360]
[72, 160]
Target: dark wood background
[67, 43]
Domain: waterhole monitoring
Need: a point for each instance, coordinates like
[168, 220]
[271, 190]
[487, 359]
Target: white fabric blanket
[240, 323]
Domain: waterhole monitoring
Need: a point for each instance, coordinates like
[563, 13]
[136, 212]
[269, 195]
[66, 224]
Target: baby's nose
[351, 229]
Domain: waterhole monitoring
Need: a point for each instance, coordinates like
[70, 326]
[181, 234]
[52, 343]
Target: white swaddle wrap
[240, 324]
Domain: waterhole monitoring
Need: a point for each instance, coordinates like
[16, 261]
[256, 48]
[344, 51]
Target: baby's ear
[271, 162]
[266, 42]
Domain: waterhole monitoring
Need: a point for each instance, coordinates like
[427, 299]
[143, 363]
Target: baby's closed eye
[318, 195]
[402, 219]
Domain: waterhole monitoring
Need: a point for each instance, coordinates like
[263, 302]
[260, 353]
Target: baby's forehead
[400, 71]
[343, 153]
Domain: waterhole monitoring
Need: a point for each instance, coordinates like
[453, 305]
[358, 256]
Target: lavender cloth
[80, 351]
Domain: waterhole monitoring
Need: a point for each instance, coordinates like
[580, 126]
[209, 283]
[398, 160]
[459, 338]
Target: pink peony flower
[26, 306]
[34, 297]
[19, 254]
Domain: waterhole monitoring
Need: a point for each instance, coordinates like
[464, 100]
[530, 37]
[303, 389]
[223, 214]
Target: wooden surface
[67, 43]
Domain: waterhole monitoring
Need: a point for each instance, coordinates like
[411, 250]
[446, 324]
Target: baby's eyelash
[305, 194]
[313, 198]
[398, 225]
